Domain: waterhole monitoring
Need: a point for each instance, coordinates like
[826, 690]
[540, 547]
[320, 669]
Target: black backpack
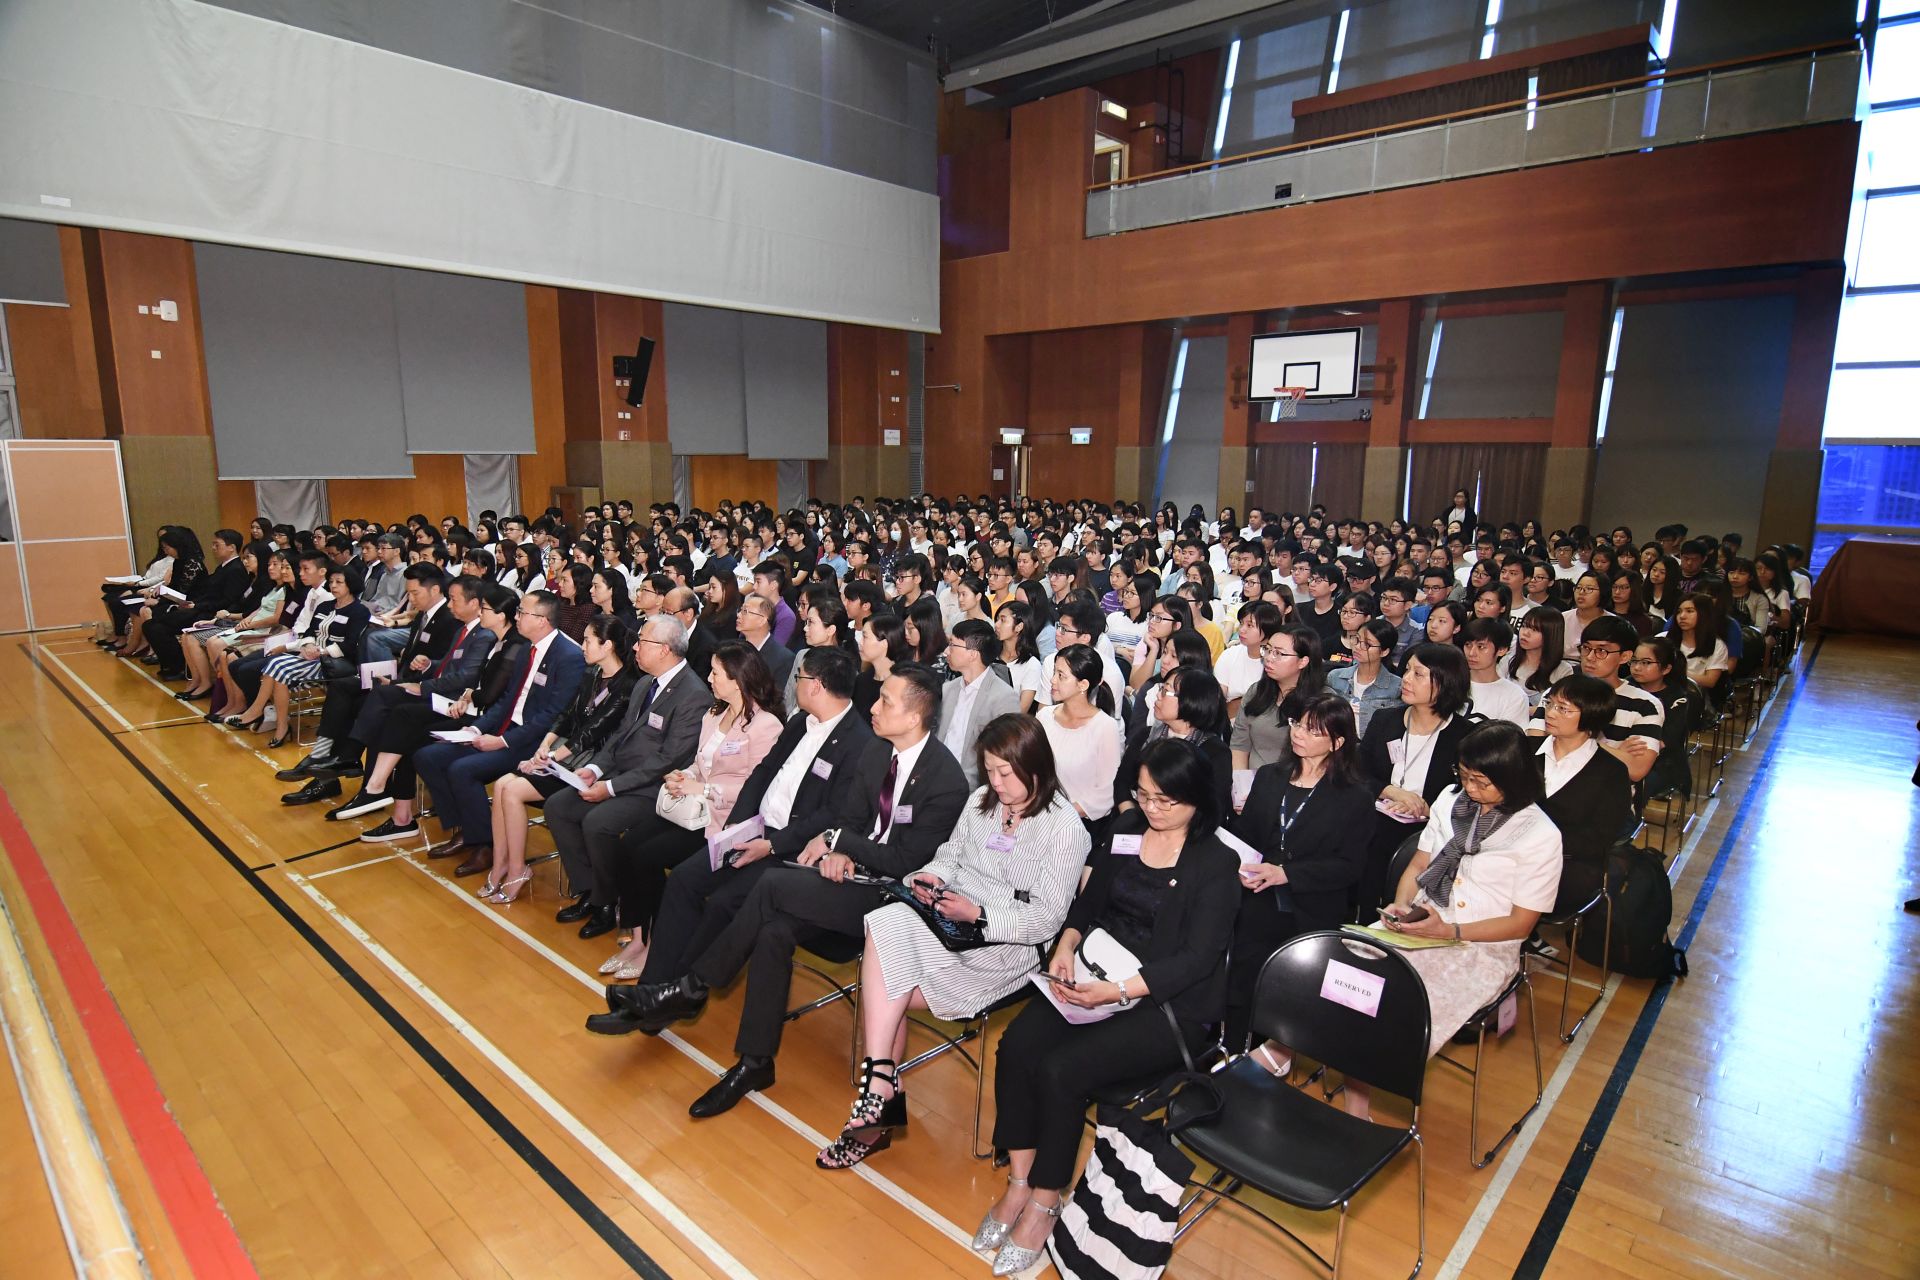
[1642, 913]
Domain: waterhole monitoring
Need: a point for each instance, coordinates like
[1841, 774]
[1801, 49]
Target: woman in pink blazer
[735, 736]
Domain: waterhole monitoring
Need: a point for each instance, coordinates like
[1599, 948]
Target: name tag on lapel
[456, 655]
[731, 748]
[539, 677]
[1127, 845]
[655, 720]
[822, 769]
[1000, 843]
[902, 815]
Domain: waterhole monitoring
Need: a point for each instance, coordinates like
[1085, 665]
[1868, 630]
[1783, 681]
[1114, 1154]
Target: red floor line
[206, 1235]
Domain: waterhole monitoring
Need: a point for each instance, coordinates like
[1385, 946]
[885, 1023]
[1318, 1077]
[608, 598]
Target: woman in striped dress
[1012, 865]
[334, 650]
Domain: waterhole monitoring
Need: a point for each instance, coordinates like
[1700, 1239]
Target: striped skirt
[294, 671]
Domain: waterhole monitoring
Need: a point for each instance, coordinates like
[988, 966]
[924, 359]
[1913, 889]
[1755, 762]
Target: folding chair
[1572, 921]
[1489, 1013]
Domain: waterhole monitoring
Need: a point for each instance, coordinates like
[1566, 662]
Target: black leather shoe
[316, 790]
[612, 1024]
[601, 921]
[579, 909]
[333, 767]
[297, 771]
[170, 673]
[749, 1075]
[660, 1004]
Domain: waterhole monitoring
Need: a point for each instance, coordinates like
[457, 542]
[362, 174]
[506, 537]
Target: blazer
[1390, 725]
[1326, 845]
[340, 629]
[1212, 749]
[554, 684]
[459, 666]
[936, 790]
[995, 698]
[654, 738]
[1592, 808]
[591, 718]
[729, 770]
[431, 640]
[500, 666]
[815, 802]
[224, 588]
[779, 660]
[1185, 961]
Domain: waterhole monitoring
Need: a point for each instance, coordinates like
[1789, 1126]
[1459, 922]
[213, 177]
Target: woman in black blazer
[1190, 705]
[1311, 818]
[1162, 885]
[1412, 752]
[1589, 795]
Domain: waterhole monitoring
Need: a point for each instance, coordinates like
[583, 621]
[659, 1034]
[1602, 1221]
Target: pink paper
[1353, 987]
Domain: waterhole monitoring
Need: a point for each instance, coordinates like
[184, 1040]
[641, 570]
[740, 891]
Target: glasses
[1559, 707]
[804, 676]
[1392, 599]
[1600, 651]
[1311, 730]
[1155, 801]
[1158, 617]
[1353, 613]
[1646, 662]
[1269, 651]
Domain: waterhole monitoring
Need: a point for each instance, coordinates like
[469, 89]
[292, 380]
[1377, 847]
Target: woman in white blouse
[1011, 866]
[1013, 624]
[1084, 735]
[1697, 627]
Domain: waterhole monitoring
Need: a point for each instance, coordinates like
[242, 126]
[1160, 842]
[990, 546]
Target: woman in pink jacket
[735, 736]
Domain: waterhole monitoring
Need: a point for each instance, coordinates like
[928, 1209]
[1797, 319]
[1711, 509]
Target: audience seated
[1291, 670]
[1366, 683]
[1492, 696]
[1411, 752]
[1082, 732]
[974, 697]
[1189, 706]
[1588, 794]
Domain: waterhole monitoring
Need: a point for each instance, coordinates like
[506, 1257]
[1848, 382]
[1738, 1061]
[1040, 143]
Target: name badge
[1128, 846]
[539, 677]
[655, 720]
[731, 748]
[822, 769]
[1000, 842]
[456, 655]
[902, 815]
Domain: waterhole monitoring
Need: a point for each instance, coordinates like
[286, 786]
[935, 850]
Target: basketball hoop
[1287, 401]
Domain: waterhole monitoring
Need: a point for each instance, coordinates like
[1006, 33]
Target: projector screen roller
[1326, 362]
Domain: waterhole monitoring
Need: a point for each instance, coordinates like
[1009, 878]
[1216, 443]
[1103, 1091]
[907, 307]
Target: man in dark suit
[458, 772]
[659, 734]
[755, 624]
[804, 786]
[222, 588]
[900, 807]
[336, 750]
[449, 677]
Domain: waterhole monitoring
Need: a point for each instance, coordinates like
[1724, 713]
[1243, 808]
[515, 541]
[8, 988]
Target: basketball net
[1287, 400]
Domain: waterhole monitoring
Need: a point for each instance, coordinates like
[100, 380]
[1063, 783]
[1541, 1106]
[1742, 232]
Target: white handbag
[689, 810]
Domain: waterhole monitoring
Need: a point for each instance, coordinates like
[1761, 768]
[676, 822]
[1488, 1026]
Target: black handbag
[954, 935]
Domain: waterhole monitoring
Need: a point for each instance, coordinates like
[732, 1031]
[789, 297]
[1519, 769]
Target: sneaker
[391, 830]
[365, 802]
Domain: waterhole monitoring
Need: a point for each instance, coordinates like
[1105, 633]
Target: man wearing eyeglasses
[1081, 622]
[1638, 724]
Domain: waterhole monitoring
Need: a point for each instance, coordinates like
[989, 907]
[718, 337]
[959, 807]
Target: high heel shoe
[241, 721]
[1016, 1259]
[490, 888]
[613, 964]
[280, 740]
[509, 890]
[871, 1122]
[993, 1232]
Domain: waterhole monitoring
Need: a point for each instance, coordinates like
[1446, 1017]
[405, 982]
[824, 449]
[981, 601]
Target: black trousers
[337, 714]
[630, 870]
[698, 904]
[381, 701]
[788, 907]
[162, 633]
[1047, 1069]
[120, 613]
[246, 673]
[408, 727]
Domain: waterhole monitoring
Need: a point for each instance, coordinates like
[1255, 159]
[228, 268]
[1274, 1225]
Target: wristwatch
[832, 838]
[981, 919]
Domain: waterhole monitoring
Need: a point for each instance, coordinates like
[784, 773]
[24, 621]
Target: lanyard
[1408, 759]
[1287, 819]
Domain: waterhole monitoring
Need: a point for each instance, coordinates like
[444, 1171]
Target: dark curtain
[1509, 478]
[1282, 477]
[1336, 481]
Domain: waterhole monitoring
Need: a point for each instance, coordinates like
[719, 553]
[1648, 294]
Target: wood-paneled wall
[58, 384]
[718, 476]
[153, 371]
[438, 488]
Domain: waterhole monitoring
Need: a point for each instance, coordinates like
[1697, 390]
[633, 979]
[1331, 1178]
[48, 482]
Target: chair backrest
[1383, 1043]
[1401, 857]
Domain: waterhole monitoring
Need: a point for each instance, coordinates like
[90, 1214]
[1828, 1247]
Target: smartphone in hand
[1409, 916]
[1059, 981]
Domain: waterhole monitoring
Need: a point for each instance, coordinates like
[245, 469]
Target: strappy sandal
[871, 1122]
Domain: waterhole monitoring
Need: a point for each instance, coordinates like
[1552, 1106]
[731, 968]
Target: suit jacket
[996, 698]
[1183, 963]
[936, 791]
[730, 767]
[432, 639]
[816, 801]
[1592, 808]
[654, 739]
[591, 718]
[554, 684]
[1389, 724]
[1326, 844]
[224, 588]
[459, 666]
[500, 667]
[779, 660]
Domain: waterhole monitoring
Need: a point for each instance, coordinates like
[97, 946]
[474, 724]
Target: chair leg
[1420, 1164]
[1567, 1034]
[1479, 1062]
[980, 1089]
[1339, 1238]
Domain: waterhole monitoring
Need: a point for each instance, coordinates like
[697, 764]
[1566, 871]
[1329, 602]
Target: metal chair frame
[1576, 919]
[1520, 982]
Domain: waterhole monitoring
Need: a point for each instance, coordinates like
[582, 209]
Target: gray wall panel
[465, 371]
[786, 381]
[1497, 366]
[1193, 459]
[706, 388]
[30, 262]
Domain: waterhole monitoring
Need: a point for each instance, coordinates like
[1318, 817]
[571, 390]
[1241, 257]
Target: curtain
[790, 479]
[300, 503]
[1282, 477]
[1507, 478]
[683, 482]
[493, 483]
[1337, 477]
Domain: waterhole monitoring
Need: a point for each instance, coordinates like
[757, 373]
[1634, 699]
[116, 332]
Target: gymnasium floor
[308, 1058]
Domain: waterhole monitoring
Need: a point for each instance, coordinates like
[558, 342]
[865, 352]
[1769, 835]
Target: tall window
[1871, 480]
[1173, 416]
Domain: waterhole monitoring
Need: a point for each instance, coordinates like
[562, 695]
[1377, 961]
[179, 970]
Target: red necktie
[458, 642]
[525, 680]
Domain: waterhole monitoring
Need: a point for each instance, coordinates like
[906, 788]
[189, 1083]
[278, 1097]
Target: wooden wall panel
[717, 476]
[546, 468]
[974, 196]
[55, 373]
[438, 488]
[163, 394]
[13, 592]
[239, 504]
[171, 480]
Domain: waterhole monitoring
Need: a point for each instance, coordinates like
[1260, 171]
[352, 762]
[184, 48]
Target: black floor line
[302, 857]
[1553, 1219]
[537, 1160]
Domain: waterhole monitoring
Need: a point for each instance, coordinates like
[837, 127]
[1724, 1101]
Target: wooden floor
[380, 1076]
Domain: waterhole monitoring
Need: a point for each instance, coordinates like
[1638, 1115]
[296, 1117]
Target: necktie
[458, 641]
[653, 687]
[525, 680]
[886, 795]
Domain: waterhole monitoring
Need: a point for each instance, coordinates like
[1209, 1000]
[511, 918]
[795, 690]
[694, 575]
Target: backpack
[1642, 913]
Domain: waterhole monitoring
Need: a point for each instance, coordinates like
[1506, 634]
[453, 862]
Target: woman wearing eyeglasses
[1589, 596]
[1290, 669]
[1355, 612]
[1411, 751]
[1588, 793]
[1188, 705]
[1365, 682]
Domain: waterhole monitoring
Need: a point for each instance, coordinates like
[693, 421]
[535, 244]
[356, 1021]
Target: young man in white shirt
[1639, 719]
[1485, 641]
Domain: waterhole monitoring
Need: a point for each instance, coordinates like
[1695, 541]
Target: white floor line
[351, 866]
[91, 692]
[237, 735]
[648, 1194]
[900, 1195]
[166, 724]
[1509, 1166]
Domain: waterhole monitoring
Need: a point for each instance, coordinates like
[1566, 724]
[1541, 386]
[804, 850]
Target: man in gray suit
[975, 696]
[659, 734]
[755, 624]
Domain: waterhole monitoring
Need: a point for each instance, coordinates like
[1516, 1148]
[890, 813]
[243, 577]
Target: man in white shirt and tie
[896, 812]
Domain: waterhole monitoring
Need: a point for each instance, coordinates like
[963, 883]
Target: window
[1606, 382]
[1893, 142]
[1896, 63]
[1173, 415]
[1890, 246]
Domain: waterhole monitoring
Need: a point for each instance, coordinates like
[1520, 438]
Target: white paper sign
[1248, 855]
[371, 671]
[467, 734]
[890, 435]
[442, 704]
[1353, 987]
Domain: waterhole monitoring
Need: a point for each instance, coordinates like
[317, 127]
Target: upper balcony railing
[1785, 90]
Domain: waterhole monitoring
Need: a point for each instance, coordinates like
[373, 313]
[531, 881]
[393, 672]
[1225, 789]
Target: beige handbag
[689, 810]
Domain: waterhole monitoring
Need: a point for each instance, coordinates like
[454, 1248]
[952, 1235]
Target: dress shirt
[535, 657]
[777, 805]
[1561, 769]
[904, 762]
[956, 738]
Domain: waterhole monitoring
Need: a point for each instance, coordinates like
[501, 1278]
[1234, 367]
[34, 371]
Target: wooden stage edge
[380, 1074]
